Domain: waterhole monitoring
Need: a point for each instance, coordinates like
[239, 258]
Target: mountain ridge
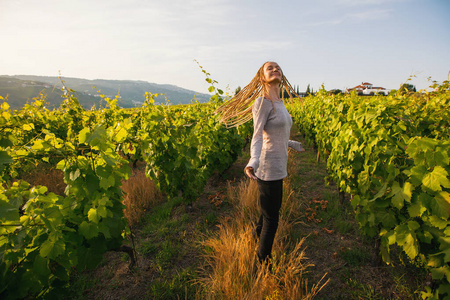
[23, 88]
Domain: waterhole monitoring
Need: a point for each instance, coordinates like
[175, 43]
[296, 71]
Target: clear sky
[338, 43]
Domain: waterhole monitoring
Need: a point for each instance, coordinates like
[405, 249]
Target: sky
[335, 43]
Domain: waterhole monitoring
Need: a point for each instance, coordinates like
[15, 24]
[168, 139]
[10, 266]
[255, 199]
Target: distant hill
[23, 88]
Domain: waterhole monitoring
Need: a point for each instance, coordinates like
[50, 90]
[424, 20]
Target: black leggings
[270, 197]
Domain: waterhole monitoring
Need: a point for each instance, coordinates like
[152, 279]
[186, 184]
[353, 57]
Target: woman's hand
[250, 173]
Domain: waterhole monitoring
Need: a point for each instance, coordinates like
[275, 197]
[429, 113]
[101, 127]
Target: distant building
[366, 88]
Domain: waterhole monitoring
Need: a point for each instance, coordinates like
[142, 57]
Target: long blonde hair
[238, 110]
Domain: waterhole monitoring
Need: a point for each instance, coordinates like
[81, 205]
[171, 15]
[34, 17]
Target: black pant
[270, 196]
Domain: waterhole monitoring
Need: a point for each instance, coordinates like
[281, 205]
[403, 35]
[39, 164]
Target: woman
[269, 147]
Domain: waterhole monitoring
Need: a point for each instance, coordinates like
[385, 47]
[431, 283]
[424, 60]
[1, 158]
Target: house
[367, 88]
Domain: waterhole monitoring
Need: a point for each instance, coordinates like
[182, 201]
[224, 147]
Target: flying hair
[238, 110]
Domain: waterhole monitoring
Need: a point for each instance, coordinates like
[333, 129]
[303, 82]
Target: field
[152, 203]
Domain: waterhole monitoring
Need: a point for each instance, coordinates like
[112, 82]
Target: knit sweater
[269, 148]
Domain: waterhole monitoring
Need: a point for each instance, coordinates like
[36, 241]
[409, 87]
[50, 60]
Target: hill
[23, 88]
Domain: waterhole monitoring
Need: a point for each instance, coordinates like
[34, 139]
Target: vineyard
[43, 235]
[390, 154]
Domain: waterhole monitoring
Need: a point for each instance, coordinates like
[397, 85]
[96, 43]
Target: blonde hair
[238, 110]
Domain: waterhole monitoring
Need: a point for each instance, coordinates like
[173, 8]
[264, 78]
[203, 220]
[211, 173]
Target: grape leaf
[435, 179]
[52, 247]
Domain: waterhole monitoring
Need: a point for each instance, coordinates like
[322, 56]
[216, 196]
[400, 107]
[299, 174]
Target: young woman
[272, 123]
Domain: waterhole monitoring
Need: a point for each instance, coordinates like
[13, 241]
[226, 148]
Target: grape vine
[43, 236]
[392, 155]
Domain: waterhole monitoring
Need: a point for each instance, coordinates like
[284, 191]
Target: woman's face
[272, 72]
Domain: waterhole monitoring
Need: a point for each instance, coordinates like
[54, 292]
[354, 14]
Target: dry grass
[234, 271]
[45, 175]
[141, 194]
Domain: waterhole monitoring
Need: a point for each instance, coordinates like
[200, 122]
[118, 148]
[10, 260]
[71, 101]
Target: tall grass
[141, 194]
[46, 175]
[233, 271]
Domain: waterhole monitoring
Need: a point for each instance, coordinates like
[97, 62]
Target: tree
[238, 89]
[407, 88]
[308, 91]
[335, 92]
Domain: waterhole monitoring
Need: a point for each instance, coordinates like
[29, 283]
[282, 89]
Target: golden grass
[45, 175]
[233, 270]
[141, 194]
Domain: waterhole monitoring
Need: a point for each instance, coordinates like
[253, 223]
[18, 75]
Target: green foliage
[44, 236]
[392, 154]
[183, 145]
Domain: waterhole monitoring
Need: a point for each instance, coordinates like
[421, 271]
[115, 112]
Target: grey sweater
[269, 148]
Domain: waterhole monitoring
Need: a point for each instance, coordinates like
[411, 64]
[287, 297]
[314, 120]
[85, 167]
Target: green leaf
[437, 178]
[106, 182]
[426, 237]
[440, 206]
[83, 135]
[98, 137]
[441, 158]
[28, 127]
[434, 261]
[40, 266]
[439, 273]
[401, 194]
[38, 145]
[88, 230]
[102, 211]
[93, 216]
[61, 272]
[61, 165]
[417, 174]
[387, 218]
[413, 225]
[380, 192]
[121, 135]
[416, 210]
[92, 183]
[437, 222]
[103, 228]
[8, 212]
[22, 152]
[5, 142]
[5, 158]
[52, 247]
[407, 239]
